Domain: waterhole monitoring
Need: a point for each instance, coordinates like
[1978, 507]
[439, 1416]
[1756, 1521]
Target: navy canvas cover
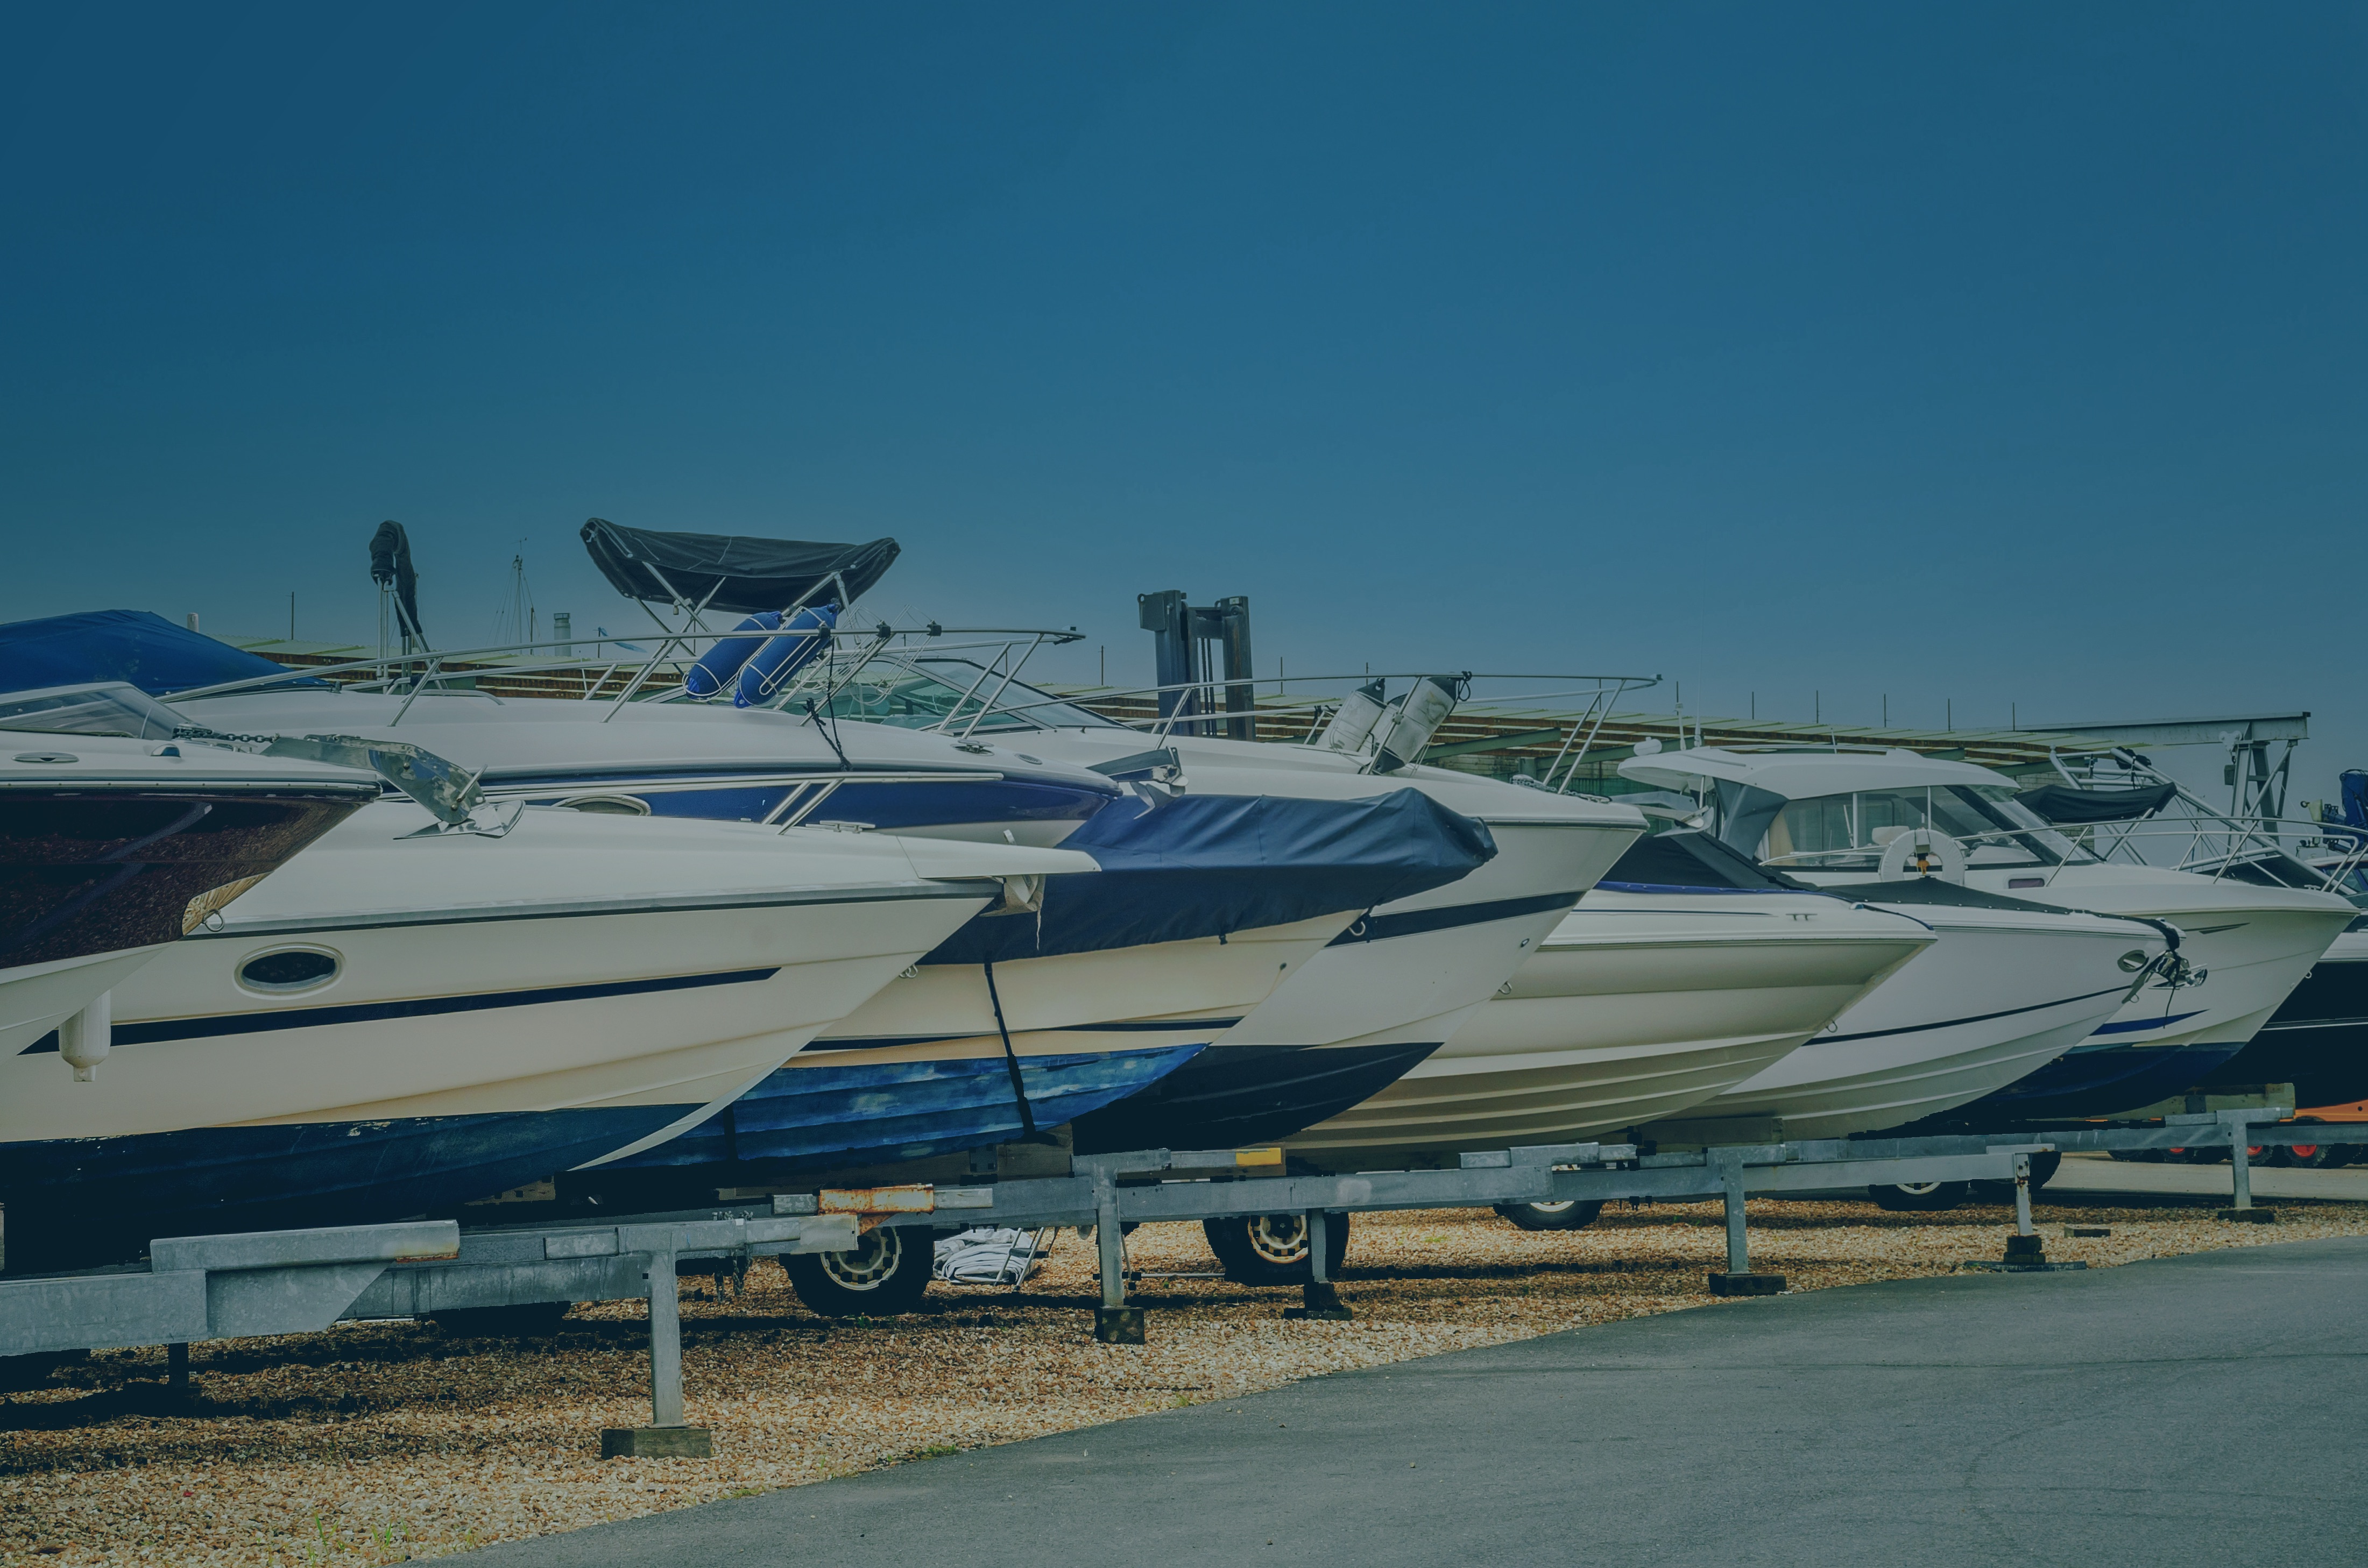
[2068, 807]
[1208, 865]
[135, 646]
[730, 571]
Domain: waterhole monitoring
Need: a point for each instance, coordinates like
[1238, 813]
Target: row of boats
[284, 953]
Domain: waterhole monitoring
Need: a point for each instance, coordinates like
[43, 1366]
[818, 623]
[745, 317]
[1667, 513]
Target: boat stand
[201, 1288]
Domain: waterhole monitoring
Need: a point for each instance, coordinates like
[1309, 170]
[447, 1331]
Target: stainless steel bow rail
[201, 1288]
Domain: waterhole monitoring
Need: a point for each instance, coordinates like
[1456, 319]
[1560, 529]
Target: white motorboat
[955, 1054]
[1840, 816]
[1398, 984]
[1640, 1005]
[1383, 995]
[113, 845]
[1012, 1027]
[397, 1021]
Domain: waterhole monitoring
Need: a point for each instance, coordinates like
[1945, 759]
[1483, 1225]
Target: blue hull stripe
[1382, 927]
[1974, 1019]
[377, 1011]
[2133, 1026]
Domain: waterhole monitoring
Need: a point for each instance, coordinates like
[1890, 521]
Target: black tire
[1574, 1215]
[529, 1320]
[884, 1276]
[1923, 1198]
[1271, 1249]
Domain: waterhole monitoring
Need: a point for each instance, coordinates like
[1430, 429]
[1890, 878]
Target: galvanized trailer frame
[202, 1287]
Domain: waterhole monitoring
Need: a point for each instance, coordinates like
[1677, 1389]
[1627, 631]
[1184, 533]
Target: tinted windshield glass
[114, 710]
[1850, 832]
[920, 693]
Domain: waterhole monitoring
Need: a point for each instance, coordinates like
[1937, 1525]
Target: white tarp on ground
[990, 1256]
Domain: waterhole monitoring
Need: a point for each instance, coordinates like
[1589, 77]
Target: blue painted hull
[1230, 1096]
[821, 1114]
[78, 1201]
[2097, 1080]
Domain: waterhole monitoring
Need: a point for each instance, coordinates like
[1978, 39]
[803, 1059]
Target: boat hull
[1637, 1006]
[455, 1050]
[818, 1111]
[1090, 1027]
[1374, 1004]
[2318, 1040]
[2000, 997]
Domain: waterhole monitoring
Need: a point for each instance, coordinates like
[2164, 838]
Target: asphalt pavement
[2206, 1409]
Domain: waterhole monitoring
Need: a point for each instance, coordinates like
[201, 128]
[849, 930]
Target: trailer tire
[527, 1320]
[884, 1275]
[1271, 1249]
[1920, 1198]
[1574, 1215]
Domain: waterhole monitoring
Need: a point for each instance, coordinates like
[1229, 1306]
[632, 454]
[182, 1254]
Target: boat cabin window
[1849, 833]
[920, 693]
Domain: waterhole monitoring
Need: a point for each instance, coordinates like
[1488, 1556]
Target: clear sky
[1987, 355]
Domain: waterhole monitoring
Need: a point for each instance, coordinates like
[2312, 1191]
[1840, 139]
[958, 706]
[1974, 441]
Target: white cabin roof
[1800, 773]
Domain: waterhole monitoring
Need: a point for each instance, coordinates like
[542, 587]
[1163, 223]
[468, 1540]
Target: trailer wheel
[1573, 1214]
[529, 1320]
[1920, 1197]
[1271, 1249]
[884, 1274]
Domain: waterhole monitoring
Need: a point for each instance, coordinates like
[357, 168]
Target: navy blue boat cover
[729, 572]
[130, 645]
[1208, 865]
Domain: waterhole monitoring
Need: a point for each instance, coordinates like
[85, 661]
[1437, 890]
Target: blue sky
[1990, 356]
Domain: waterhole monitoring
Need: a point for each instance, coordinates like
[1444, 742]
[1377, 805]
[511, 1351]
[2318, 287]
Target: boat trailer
[202, 1287]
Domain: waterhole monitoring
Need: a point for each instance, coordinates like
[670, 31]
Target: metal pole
[666, 1343]
[1316, 1242]
[1111, 1244]
[2023, 1195]
[2240, 1171]
[1738, 1251]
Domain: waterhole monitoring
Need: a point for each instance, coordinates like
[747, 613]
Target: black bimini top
[731, 572]
[2063, 805]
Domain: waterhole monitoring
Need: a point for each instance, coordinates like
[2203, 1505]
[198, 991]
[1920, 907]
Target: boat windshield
[923, 693]
[1849, 833]
[115, 708]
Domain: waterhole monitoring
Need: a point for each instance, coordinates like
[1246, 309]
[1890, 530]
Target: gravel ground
[381, 1442]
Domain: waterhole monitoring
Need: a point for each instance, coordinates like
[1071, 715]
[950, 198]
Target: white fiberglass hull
[2000, 995]
[1638, 1006]
[1392, 987]
[491, 1010]
[35, 998]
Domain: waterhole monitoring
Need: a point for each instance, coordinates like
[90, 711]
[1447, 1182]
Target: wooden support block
[1746, 1284]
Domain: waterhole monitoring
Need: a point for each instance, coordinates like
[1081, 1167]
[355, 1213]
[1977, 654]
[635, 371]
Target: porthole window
[608, 805]
[288, 969]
